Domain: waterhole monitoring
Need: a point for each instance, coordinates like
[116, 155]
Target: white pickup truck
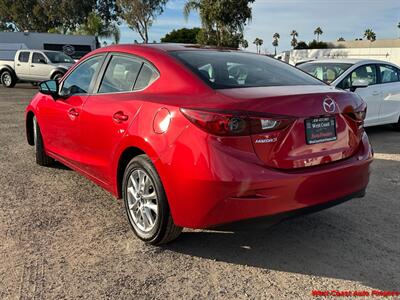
[34, 66]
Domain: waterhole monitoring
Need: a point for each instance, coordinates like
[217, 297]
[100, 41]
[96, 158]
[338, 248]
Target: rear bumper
[225, 187]
[261, 222]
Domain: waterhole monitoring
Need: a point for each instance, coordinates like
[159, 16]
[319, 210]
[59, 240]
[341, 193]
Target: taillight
[234, 123]
[359, 116]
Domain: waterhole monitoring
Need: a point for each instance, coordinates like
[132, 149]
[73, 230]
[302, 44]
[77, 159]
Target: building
[75, 46]
[386, 50]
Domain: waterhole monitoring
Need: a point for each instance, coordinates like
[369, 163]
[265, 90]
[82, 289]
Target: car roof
[167, 47]
[352, 61]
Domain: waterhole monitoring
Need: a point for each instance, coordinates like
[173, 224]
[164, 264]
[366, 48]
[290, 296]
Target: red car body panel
[208, 179]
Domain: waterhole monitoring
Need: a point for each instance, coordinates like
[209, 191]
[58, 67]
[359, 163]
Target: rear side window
[23, 56]
[389, 74]
[146, 77]
[231, 69]
[120, 75]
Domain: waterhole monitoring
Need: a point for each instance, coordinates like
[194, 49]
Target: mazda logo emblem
[329, 105]
[68, 49]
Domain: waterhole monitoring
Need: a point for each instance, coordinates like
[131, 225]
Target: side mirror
[49, 87]
[359, 83]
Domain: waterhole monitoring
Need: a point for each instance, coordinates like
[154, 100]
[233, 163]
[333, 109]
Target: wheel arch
[126, 156]
[8, 68]
[57, 71]
[29, 127]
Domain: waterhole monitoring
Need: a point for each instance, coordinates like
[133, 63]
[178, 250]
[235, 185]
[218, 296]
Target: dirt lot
[64, 237]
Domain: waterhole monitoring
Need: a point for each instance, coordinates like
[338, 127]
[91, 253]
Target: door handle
[73, 112]
[119, 117]
[32, 66]
[18, 65]
[376, 93]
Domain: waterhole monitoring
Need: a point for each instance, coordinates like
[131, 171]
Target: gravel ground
[64, 237]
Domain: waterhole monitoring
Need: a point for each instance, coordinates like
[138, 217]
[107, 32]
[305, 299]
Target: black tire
[164, 230]
[42, 159]
[57, 76]
[396, 126]
[8, 79]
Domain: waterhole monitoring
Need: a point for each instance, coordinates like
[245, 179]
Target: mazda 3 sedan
[201, 137]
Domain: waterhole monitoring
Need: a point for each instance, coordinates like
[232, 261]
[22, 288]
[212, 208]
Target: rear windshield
[327, 72]
[229, 69]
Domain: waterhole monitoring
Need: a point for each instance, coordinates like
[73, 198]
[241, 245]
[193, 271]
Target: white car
[377, 82]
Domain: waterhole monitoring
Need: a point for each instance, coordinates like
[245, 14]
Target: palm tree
[95, 26]
[258, 42]
[398, 26]
[341, 39]
[275, 40]
[370, 35]
[318, 31]
[191, 5]
[294, 35]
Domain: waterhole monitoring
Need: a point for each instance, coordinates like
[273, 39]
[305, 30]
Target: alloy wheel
[142, 201]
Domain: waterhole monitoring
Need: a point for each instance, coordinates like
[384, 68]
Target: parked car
[377, 82]
[34, 66]
[187, 140]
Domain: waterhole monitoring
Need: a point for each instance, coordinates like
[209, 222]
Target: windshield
[231, 69]
[59, 58]
[327, 72]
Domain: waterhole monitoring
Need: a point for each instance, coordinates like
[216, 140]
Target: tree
[275, 40]
[258, 42]
[183, 35]
[94, 25]
[140, 14]
[294, 35]
[63, 16]
[318, 31]
[341, 39]
[244, 44]
[301, 45]
[317, 45]
[398, 26]
[370, 35]
[222, 21]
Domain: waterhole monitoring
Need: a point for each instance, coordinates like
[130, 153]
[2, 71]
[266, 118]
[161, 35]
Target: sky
[337, 18]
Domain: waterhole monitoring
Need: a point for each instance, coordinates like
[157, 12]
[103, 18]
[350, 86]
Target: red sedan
[199, 137]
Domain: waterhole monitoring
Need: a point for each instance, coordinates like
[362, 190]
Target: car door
[108, 112]
[390, 85]
[372, 94]
[39, 68]
[22, 65]
[62, 116]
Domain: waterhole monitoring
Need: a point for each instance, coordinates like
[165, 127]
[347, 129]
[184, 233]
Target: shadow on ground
[356, 241]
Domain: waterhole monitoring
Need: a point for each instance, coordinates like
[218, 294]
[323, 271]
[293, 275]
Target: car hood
[63, 65]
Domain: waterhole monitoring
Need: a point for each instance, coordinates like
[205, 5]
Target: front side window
[23, 57]
[231, 69]
[389, 74]
[120, 75]
[327, 72]
[38, 58]
[367, 72]
[79, 80]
